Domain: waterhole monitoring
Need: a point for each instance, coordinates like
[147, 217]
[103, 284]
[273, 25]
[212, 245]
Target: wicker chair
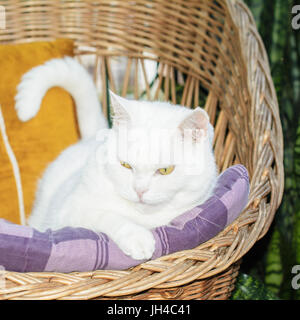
[213, 52]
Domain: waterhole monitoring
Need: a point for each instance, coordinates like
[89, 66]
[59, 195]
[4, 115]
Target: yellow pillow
[37, 142]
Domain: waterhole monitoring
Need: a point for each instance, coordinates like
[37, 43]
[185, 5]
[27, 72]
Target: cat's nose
[140, 192]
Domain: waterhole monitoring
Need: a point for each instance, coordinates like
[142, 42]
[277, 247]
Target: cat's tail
[70, 75]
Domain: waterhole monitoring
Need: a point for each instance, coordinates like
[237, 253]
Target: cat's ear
[120, 114]
[197, 123]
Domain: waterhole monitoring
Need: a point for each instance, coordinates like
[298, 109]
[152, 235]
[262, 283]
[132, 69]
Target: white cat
[106, 182]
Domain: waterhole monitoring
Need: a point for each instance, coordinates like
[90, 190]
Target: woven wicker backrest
[203, 52]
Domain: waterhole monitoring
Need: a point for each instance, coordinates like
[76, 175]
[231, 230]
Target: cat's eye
[165, 171]
[125, 164]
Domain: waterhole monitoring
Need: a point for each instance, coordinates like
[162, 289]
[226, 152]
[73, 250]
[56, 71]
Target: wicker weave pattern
[214, 45]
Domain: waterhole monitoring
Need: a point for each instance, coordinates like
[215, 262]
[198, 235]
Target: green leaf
[273, 277]
[249, 288]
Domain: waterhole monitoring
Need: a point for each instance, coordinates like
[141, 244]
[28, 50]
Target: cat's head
[157, 150]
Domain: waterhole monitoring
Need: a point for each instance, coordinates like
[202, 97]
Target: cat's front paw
[137, 242]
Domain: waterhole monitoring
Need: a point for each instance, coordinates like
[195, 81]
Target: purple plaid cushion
[24, 249]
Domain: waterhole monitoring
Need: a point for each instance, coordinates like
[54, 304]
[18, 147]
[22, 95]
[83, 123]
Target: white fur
[86, 186]
[70, 75]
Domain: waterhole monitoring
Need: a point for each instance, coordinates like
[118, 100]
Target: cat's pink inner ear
[196, 124]
[120, 114]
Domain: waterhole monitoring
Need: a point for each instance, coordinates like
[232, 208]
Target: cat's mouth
[150, 202]
[140, 201]
[144, 200]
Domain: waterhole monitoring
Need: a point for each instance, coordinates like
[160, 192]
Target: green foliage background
[270, 262]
